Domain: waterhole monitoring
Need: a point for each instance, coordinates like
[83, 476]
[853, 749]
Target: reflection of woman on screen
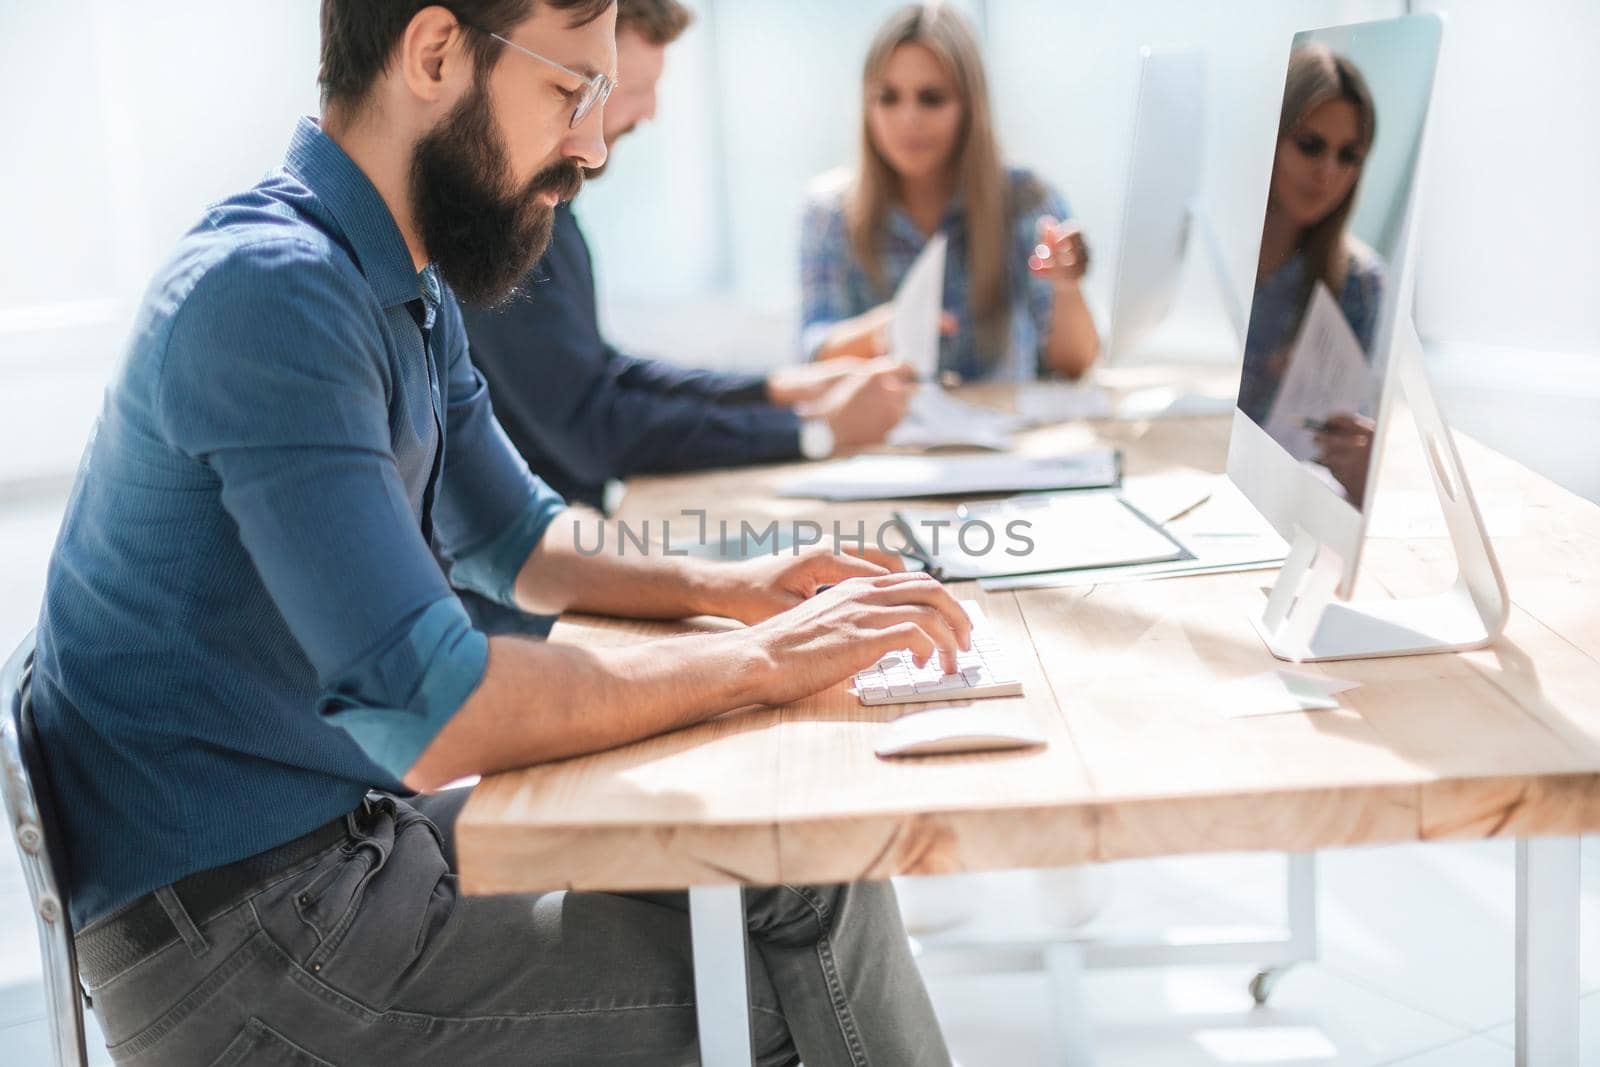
[1325, 131]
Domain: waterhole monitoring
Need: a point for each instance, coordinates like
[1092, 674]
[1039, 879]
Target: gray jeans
[369, 954]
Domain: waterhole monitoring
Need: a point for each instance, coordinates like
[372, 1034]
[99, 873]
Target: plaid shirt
[834, 286]
[1275, 315]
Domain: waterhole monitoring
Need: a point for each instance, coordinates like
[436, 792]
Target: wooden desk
[1140, 762]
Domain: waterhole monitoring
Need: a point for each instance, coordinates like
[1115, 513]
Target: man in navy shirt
[586, 416]
[249, 657]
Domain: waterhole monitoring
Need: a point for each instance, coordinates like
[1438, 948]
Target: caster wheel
[1262, 985]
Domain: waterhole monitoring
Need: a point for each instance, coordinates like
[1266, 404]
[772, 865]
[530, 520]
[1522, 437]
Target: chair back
[30, 814]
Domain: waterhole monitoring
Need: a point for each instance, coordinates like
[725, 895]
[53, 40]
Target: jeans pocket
[332, 889]
[259, 1043]
[392, 918]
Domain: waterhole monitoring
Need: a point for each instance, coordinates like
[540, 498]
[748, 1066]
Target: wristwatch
[816, 438]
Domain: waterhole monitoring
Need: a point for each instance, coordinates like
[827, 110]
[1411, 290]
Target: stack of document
[1219, 529]
[910, 477]
[1046, 533]
[935, 419]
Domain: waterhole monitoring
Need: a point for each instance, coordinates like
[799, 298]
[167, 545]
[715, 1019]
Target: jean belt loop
[168, 899]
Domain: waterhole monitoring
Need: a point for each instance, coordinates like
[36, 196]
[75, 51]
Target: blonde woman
[1325, 132]
[930, 163]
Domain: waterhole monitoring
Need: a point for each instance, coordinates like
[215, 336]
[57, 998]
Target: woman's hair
[980, 175]
[1317, 75]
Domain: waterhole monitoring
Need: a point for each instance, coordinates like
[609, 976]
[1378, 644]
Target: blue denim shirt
[834, 284]
[245, 624]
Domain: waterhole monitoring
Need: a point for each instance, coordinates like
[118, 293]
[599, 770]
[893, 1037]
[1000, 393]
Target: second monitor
[1331, 347]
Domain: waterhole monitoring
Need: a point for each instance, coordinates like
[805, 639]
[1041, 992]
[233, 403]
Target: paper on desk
[935, 419]
[1166, 402]
[1065, 531]
[1224, 534]
[918, 306]
[1326, 376]
[1228, 558]
[1164, 497]
[1042, 403]
[1276, 693]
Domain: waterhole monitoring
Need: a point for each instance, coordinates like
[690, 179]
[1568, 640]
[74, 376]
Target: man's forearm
[540, 701]
[573, 569]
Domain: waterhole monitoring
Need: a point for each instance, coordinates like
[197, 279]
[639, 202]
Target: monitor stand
[1303, 621]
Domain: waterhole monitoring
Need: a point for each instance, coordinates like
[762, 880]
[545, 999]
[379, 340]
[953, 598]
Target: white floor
[1416, 964]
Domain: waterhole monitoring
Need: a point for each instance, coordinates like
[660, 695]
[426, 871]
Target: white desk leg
[1548, 879]
[721, 980]
[1069, 1006]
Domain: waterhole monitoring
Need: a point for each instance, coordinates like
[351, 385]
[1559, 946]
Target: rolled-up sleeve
[276, 378]
[492, 511]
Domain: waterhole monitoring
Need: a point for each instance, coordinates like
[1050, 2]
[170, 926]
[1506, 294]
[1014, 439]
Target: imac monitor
[1164, 169]
[1332, 281]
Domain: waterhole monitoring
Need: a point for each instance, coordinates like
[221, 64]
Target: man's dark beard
[481, 239]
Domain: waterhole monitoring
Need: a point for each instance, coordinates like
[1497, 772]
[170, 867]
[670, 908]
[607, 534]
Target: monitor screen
[1349, 129]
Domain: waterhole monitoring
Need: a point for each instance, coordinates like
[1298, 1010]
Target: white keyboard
[986, 671]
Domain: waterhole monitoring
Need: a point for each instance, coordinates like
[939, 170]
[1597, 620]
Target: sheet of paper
[1223, 535]
[1327, 375]
[1164, 497]
[935, 419]
[914, 333]
[1276, 693]
[1044, 403]
[1226, 513]
[1321, 684]
[1227, 558]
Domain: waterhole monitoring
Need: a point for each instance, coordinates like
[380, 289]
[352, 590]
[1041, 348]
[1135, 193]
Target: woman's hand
[868, 335]
[1061, 256]
[1344, 446]
[789, 387]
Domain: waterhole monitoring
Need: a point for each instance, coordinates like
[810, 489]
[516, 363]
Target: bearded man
[587, 416]
[250, 661]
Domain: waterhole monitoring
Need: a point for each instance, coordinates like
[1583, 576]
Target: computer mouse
[942, 731]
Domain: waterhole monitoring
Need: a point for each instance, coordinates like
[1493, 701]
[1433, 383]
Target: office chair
[31, 817]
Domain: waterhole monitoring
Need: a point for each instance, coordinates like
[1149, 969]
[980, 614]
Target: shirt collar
[349, 196]
[949, 222]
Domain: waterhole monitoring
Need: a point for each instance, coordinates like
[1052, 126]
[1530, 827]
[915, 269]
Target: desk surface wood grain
[1122, 680]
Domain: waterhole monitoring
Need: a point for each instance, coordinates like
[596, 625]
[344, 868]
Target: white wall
[126, 116]
[1511, 229]
[1509, 263]
[123, 120]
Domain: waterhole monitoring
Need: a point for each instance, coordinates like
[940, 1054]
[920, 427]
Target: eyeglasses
[596, 89]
